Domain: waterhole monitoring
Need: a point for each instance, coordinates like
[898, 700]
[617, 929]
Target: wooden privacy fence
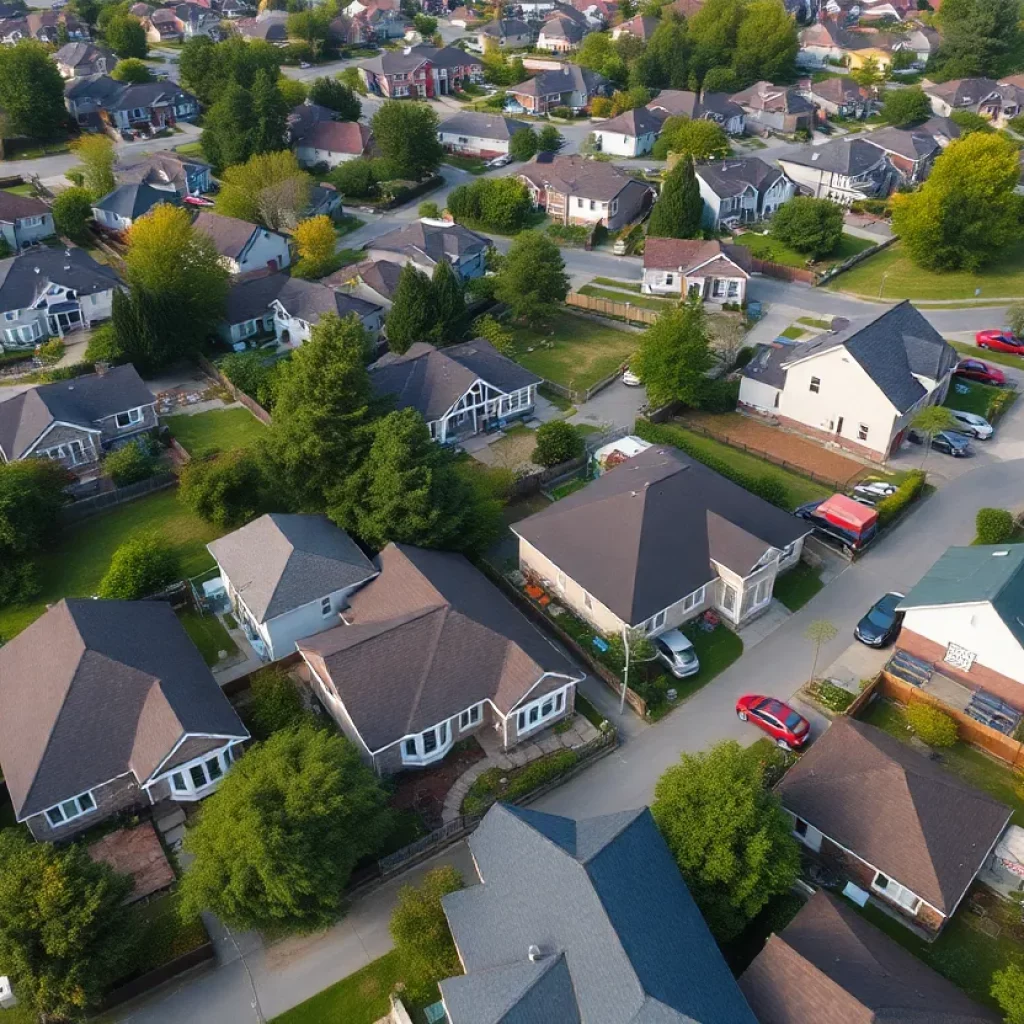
[781, 271]
[237, 393]
[624, 310]
[86, 507]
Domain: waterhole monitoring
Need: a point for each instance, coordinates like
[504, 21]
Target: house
[631, 134]
[923, 42]
[575, 190]
[244, 247]
[640, 27]
[372, 280]
[289, 307]
[289, 577]
[430, 652]
[561, 34]
[118, 210]
[713, 271]
[459, 390]
[963, 617]
[857, 59]
[858, 388]
[163, 26]
[425, 245]
[910, 151]
[570, 86]
[463, 17]
[943, 129]
[686, 539]
[840, 97]
[830, 963]
[108, 707]
[778, 108]
[99, 102]
[197, 19]
[709, 106]
[587, 922]
[44, 27]
[844, 170]
[998, 101]
[824, 42]
[183, 175]
[324, 200]
[50, 292]
[420, 71]
[333, 143]
[507, 34]
[24, 220]
[478, 134]
[267, 26]
[305, 116]
[77, 60]
[744, 190]
[903, 830]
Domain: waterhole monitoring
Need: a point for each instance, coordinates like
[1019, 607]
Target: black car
[881, 625]
[949, 442]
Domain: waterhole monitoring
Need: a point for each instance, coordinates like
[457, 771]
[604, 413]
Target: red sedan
[983, 373]
[1000, 341]
[789, 730]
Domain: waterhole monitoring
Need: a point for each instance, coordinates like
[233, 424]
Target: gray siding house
[244, 247]
[426, 244]
[117, 211]
[24, 220]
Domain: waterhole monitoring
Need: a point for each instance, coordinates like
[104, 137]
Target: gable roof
[896, 809]
[481, 125]
[767, 365]
[641, 26]
[409, 58]
[230, 235]
[633, 123]
[617, 945]
[303, 116]
[576, 175]
[427, 638]
[840, 90]
[507, 27]
[670, 517]
[163, 168]
[685, 254]
[969, 92]
[93, 690]
[567, 78]
[279, 562]
[906, 142]
[250, 298]
[782, 99]
[338, 137]
[731, 177]
[432, 243]
[72, 55]
[840, 156]
[380, 276]
[562, 27]
[14, 207]
[830, 964]
[25, 277]
[96, 92]
[682, 103]
[134, 199]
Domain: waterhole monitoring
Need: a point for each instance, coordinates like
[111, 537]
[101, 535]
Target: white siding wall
[618, 144]
[97, 306]
[472, 143]
[308, 156]
[308, 620]
[712, 203]
[268, 246]
[757, 394]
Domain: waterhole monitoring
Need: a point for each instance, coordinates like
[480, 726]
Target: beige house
[684, 266]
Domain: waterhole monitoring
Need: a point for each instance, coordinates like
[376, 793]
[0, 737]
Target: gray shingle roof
[621, 940]
[767, 365]
[451, 242]
[95, 689]
[134, 199]
[396, 61]
[74, 54]
[24, 278]
[568, 78]
[561, 27]
[731, 177]
[841, 156]
[379, 275]
[575, 175]
[670, 516]
[306, 300]
[633, 123]
[910, 143]
[773, 98]
[230, 235]
[167, 168]
[506, 27]
[481, 126]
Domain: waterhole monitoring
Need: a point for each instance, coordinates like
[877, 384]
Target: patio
[136, 852]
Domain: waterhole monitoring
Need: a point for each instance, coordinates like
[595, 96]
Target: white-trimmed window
[68, 810]
[862, 432]
[196, 777]
[892, 890]
[430, 745]
[129, 418]
[669, 279]
[655, 622]
[470, 717]
[325, 606]
[534, 715]
[816, 384]
[697, 597]
[31, 222]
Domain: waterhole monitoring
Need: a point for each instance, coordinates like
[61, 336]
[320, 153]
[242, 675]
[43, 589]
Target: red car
[789, 730]
[1000, 341]
[198, 201]
[983, 373]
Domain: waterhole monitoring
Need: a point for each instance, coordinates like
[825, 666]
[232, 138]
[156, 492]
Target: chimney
[533, 953]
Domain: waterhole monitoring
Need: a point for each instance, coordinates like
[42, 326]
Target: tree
[635, 96]
[132, 70]
[1015, 319]
[336, 96]
[728, 833]
[294, 92]
[679, 211]
[905, 107]
[228, 128]
[532, 278]
[419, 928]
[721, 80]
[31, 92]
[130, 463]
[126, 36]
[96, 153]
[315, 239]
[270, 115]
[1008, 992]
[932, 420]
[766, 43]
[65, 933]
[254, 374]
[713, 33]
[968, 121]
[668, 55]
[140, 567]
[406, 135]
[557, 442]
[276, 844]
[994, 525]
[356, 178]
[353, 79]
[72, 211]
[505, 203]
[413, 312]
[207, 68]
[523, 143]
[966, 213]
[977, 36]
[549, 140]
[813, 227]
[869, 74]
[819, 632]
[675, 356]
[312, 26]
[449, 304]
[269, 188]
[227, 491]
[276, 703]
[501, 339]
[699, 140]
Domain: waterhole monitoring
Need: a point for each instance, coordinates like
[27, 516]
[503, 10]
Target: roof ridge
[627, 823]
[428, 661]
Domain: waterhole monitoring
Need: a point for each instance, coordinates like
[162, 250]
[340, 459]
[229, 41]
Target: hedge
[998, 402]
[906, 494]
[994, 525]
[519, 781]
[933, 726]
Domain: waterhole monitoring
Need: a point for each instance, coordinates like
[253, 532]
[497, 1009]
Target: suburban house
[288, 577]
[964, 618]
[829, 963]
[575, 190]
[77, 60]
[464, 17]
[631, 134]
[420, 71]
[324, 200]
[430, 652]
[44, 27]
[47, 293]
[374, 281]
[507, 34]
[163, 26]
[184, 175]
[570, 86]
[998, 101]
[858, 59]
[118, 210]
[426, 244]
[713, 271]
[910, 151]
[478, 134]
[824, 42]
[639, 27]
[108, 707]
[778, 108]
[459, 390]
[304, 116]
[24, 220]
[582, 922]
[840, 97]
[708, 106]
[244, 247]
[267, 26]
[685, 540]
[843, 170]
[741, 190]
[99, 102]
[288, 308]
[858, 388]
[333, 142]
[904, 831]
[561, 33]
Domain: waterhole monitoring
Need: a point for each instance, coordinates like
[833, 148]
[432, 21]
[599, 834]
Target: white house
[333, 143]
[741, 190]
[244, 247]
[426, 243]
[119, 210]
[24, 220]
[843, 170]
[684, 266]
[478, 134]
[710, 106]
[631, 134]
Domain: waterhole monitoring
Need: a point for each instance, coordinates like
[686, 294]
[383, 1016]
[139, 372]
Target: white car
[630, 379]
[500, 161]
[872, 493]
[676, 651]
[973, 425]
[305, 64]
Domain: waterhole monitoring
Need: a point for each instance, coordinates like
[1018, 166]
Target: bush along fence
[237, 393]
[83, 508]
[841, 268]
[153, 979]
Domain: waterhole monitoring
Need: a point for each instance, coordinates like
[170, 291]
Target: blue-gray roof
[133, 200]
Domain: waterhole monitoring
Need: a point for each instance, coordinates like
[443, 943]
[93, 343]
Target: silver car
[972, 425]
[676, 651]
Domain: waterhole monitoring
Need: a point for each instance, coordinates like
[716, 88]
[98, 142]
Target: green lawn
[466, 163]
[977, 398]
[75, 564]
[973, 352]
[891, 275]
[572, 350]
[797, 586]
[793, 332]
[190, 149]
[569, 487]
[809, 321]
[767, 248]
[24, 189]
[218, 430]
[208, 634]
[643, 301]
[622, 286]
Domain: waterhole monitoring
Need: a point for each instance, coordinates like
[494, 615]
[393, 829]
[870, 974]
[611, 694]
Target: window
[178, 783]
[68, 810]
[469, 717]
[862, 432]
[728, 598]
[593, 205]
[325, 606]
[126, 419]
[536, 714]
[410, 748]
[800, 828]
[654, 622]
[588, 601]
[579, 204]
[31, 222]
[816, 384]
[697, 597]
[896, 892]
[11, 315]
[670, 278]
[429, 741]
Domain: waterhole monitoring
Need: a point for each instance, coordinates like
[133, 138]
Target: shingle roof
[481, 126]
[134, 199]
[568, 78]
[167, 168]
[670, 517]
[95, 689]
[379, 275]
[279, 562]
[683, 254]
[576, 175]
[896, 809]
[681, 103]
[338, 137]
[621, 940]
[910, 143]
[230, 235]
[408, 59]
[640, 26]
[840, 90]
[432, 241]
[14, 207]
[73, 54]
[306, 300]
[731, 177]
[767, 365]
[774, 98]
[633, 123]
[304, 116]
[969, 92]
[830, 964]
[841, 156]
[430, 636]
[506, 27]
[561, 27]
[21, 283]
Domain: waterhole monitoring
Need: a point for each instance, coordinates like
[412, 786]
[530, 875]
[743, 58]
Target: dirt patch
[512, 451]
[424, 790]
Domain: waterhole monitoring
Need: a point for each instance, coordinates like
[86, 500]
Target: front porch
[482, 408]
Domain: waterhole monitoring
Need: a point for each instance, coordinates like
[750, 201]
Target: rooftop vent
[533, 953]
[1000, 554]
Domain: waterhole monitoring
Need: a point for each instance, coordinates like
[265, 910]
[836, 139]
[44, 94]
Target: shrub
[254, 374]
[276, 703]
[50, 352]
[994, 525]
[356, 178]
[719, 395]
[570, 234]
[771, 489]
[140, 567]
[429, 209]
[931, 725]
[227, 491]
[997, 403]
[908, 492]
[488, 787]
[130, 463]
[833, 697]
[557, 442]
[563, 112]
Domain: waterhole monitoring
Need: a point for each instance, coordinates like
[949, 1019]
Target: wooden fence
[237, 393]
[623, 310]
[86, 507]
[782, 272]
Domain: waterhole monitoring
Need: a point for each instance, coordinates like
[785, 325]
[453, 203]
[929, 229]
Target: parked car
[872, 493]
[982, 373]
[630, 379]
[881, 625]
[305, 64]
[789, 729]
[675, 650]
[949, 442]
[972, 424]
[198, 201]
[847, 522]
[1000, 341]
[500, 161]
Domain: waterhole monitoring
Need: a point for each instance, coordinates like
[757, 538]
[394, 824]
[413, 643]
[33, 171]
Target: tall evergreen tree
[229, 126]
[449, 304]
[680, 208]
[270, 112]
[31, 91]
[413, 311]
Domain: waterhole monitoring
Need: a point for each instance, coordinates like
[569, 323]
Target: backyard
[207, 632]
[765, 247]
[218, 430]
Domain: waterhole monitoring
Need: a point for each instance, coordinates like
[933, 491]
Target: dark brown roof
[338, 137]
[683, 254]
[830, 966]
[895, 809]
[14, 207]
[380, 276]
[780, 99]
[230, 235]
[430, 636]
[575, 175]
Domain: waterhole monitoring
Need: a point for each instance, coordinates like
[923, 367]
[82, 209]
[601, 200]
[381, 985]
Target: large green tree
[713, 32]
[269, 189]
[728, 833]
[1008, 992]
[766, 43]
[675, 356]
[97, 156]
[313, 26]
[905, 107]
[449, 304]
[532, 280]
[228, 490]
[276, 844]
[977, 36]
[126, 36]
[141, 566]
[699, 140]
[668, 54]
[132, 70]
[72, 212]
[813, 227]
[413, 312]
[228, 128]
[270, 113]
[680, 209]
[406, 135]
[31, 91]
[207, 67]
[336, 96]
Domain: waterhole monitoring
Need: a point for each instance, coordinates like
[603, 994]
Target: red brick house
[420, 72]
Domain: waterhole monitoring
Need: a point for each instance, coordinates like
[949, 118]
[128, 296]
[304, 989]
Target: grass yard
[572, 350]
[207, 632]
[569, 487]
[891, 275]
[622, 286]
[973, 352]
[975, 399]
[466, 163]
[75, 564]
[767, 248]
[164, 936]
[809, 321]
[643, 301]
[218, 430]
[558, 401]
[25, 189]
[793, 332]
[190, 149]
[797, 586]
